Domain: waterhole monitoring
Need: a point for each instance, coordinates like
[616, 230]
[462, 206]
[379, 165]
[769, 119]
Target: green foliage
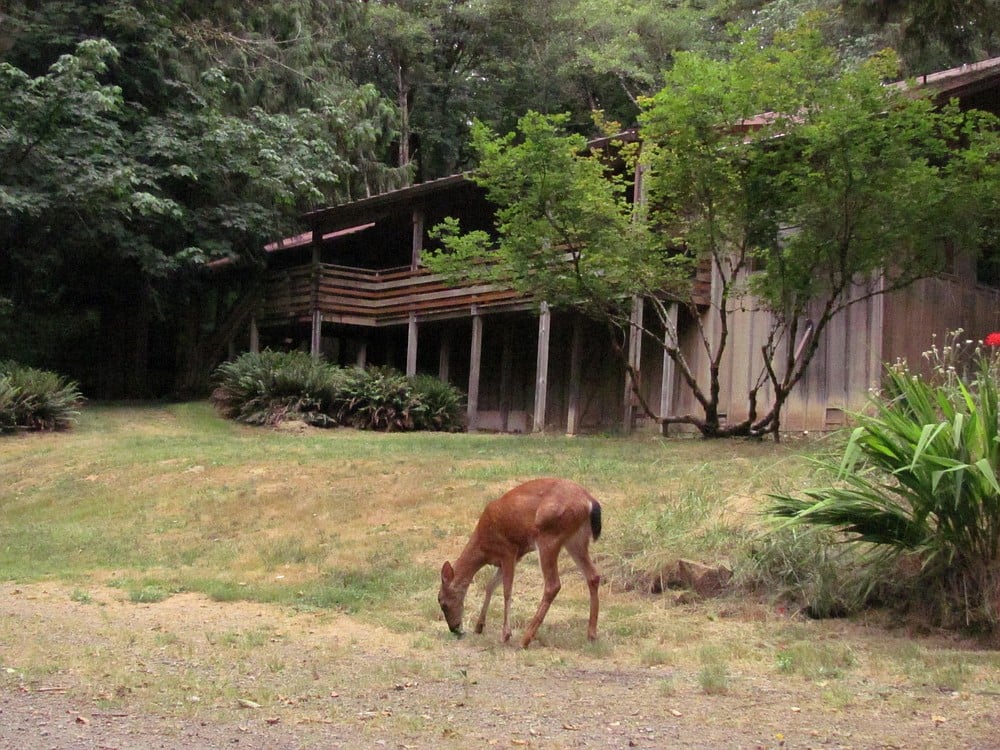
[272, 387]
[804, 185]
[919, 479]
[566, 232]
[379, 399]
[142, 140]
[34, 399]
[439, 406]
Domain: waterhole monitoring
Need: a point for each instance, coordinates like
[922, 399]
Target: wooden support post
[444, 357]
[506, 370]
[411, 345]
[475, 362]
[634, 359]
[542, 367]
[875, 337]
[362, 361]
[668, 381]
[418, 239]
[575, 361]
[254, 336]
[316, 339]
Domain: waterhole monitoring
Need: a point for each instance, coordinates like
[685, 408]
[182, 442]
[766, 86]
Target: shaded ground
[184, 673]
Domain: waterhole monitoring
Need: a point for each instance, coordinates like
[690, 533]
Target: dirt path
[326, 681]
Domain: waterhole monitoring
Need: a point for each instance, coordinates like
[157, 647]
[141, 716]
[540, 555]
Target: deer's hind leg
[578, 547]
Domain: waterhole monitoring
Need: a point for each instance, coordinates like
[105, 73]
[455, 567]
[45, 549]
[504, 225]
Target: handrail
[374, 297]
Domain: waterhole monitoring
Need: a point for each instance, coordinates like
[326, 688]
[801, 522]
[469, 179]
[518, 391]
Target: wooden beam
[316, 339]
[875, 334]
[575, 358]
[254, 336]
[475, 362]
[411, 345]
[444, 356]
[418, 238]
[634, 359]
[506, 371]
[669, 376]
[542, 367]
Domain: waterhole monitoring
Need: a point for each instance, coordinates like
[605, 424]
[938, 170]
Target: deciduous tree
[806, 187]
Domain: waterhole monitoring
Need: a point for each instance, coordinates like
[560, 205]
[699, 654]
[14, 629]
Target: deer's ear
[447, 573]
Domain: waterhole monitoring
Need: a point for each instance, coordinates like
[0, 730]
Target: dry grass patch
[190, 569]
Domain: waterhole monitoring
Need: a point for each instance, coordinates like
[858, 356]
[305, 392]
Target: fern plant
[35, 399]
[270, 387]
[919, 478]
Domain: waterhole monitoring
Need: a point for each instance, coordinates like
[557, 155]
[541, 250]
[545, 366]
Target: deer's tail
[595, 519]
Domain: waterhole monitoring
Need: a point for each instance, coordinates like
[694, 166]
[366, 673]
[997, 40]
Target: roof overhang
[367, 210]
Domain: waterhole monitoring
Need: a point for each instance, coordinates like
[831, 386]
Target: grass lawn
[278, 568]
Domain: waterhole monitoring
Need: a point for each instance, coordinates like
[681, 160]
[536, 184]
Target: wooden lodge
[353, 290]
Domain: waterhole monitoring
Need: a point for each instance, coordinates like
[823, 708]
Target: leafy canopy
[805, 187]
[565, 226]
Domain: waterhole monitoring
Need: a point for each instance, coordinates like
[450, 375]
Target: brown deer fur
[546, 515]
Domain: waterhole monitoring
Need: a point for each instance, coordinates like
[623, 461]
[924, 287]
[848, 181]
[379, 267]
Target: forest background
[141, 140]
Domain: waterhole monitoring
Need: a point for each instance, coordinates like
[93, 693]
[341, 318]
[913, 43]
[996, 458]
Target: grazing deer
[543, 514]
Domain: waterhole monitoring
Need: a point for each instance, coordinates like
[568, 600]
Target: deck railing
[360, 296]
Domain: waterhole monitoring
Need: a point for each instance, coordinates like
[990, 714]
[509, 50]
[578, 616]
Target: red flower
[992, 339]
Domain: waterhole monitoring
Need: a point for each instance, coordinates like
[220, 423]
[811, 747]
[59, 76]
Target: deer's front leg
[548, 556]
[490, 588]
[507, 574]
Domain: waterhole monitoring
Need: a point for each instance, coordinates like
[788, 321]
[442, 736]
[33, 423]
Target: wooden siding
[927, 312]
[846, 366]
[854, 349]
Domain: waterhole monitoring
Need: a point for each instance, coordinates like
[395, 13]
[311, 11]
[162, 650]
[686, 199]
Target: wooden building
[353, 289]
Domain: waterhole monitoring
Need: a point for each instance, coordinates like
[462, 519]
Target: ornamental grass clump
[34, 399]
[917, 487]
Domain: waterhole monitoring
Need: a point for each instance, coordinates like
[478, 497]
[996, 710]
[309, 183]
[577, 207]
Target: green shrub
[34, 399]
[380, 399]
[384, 399]
[918, 483]
[8, 399]
[271, 387]
[439, 406]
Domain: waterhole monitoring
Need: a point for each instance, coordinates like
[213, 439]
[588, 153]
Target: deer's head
[451, 599]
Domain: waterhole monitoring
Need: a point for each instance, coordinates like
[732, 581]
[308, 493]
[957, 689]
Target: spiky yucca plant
[919, 478]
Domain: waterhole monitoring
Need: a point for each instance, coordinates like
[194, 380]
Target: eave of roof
[300, 240]
[959, 81]
[375, 206]
[365, 209]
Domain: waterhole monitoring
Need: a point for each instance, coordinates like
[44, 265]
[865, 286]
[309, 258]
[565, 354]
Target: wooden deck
[362, 297]
[374, 298]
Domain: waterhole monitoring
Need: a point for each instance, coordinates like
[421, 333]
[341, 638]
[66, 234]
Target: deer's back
[541, 506]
